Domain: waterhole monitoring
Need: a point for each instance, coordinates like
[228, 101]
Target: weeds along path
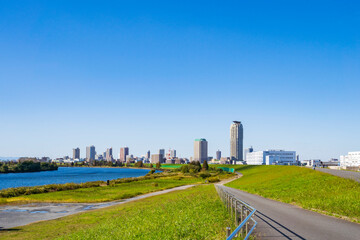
[19, 215]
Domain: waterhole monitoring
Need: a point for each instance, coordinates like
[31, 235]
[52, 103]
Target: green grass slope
[195, 213]
[304, 187]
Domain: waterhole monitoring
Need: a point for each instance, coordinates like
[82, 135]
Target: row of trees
[101, 163]
[195, 167]
[27, 166]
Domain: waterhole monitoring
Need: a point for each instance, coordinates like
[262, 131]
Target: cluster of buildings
[123, 157]
[237, 155]
[352, 160]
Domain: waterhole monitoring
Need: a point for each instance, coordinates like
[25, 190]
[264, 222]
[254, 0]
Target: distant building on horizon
[162, 151]
[200, 150]
[236, 141]
[218, 154]
[248, 150]
[76, 153]
[90, 153]
[157, 158]
[123, 153]
[148, 155]
[350, 160]
[173, 153]
[109, 154]
[271, 157]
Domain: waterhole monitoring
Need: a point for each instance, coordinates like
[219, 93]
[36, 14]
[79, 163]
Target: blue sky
[158, 74]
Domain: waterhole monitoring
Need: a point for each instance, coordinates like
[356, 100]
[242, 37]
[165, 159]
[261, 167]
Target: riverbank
[102, 191]
[26, 166]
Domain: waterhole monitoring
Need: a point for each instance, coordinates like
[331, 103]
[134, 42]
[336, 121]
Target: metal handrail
[238, 207]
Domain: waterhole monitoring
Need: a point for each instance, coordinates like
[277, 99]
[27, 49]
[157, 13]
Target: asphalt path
[341, 173]
[18, 215]
[277, 220]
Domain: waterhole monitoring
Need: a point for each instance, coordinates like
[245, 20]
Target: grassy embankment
[304, 187]
[195, 213]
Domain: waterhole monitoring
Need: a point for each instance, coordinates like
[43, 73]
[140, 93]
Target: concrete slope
[278, 220]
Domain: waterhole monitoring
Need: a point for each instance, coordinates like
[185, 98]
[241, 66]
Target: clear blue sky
[158, 74]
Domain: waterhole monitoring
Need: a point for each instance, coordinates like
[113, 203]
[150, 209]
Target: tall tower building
[218, 154]
[173, 153]
[90, 153]
[236, 141]
[123, 153]
[109, 155]
[76, 153]
[148, 154]
[200, 150]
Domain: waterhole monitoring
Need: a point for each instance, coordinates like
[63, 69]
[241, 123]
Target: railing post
[236, 214]
[242, 212]
[228, 232]
[231, 206]
[247, 223]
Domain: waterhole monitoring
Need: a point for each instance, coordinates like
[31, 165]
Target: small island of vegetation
[26, 166]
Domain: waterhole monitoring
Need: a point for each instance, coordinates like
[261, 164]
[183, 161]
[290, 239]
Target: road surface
[341, 173]
[278, 220]
[19, 215]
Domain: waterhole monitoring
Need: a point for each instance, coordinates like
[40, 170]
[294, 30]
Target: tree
[205, 166]
[158, 165]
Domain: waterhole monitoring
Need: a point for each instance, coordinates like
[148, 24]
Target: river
[67, 175]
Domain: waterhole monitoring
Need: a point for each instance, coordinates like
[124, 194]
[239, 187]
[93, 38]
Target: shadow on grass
[246, 167]
[8, 229]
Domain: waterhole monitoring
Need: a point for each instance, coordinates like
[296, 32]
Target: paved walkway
[19, 215]
[341, 173]
[278, 220]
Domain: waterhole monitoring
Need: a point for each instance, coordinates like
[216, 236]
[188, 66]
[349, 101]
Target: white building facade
[350, 160]
[271, 157]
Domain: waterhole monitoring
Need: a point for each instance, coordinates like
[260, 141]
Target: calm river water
[66, 175]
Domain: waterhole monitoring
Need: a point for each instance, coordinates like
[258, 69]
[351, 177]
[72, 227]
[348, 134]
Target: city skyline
[296, 69]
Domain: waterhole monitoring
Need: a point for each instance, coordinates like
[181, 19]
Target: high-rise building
[123, 153]
[148, 154]
[76, 153]
[173, 153]
[162, 151]
[157, 158]
[200, 150]
[248, 150]
[90, 153]
[218, 154]
[236, 141]
[109, 156]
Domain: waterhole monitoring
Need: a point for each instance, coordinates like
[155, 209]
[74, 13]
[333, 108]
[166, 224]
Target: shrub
[213, 179]
[204, 175]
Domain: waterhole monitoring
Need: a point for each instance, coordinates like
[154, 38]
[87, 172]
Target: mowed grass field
[107, 193]
[304, 187]
[195, 213]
